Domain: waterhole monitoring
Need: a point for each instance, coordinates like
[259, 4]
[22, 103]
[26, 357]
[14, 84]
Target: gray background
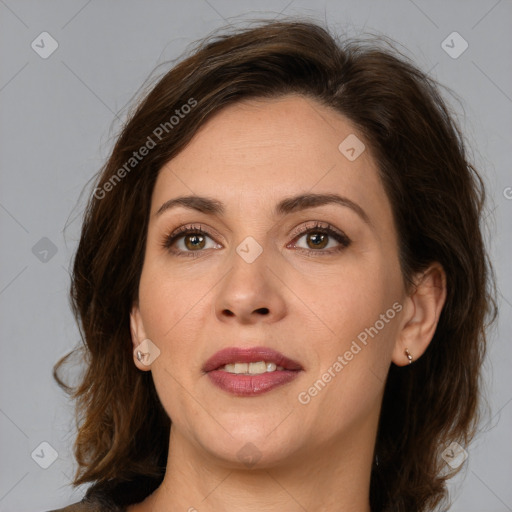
[59, 117]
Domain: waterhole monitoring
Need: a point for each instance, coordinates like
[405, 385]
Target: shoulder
[114, 495]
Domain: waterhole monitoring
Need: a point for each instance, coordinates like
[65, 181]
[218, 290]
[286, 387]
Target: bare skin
[306, 299]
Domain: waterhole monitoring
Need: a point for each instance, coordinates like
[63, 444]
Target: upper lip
[249, 355]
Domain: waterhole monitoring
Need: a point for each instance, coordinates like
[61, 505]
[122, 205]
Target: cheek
[359, 309]
[169, 300]
[349, 298]
[171, 311]
[353, 357]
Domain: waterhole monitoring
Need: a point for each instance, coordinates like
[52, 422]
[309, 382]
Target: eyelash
[317, 227]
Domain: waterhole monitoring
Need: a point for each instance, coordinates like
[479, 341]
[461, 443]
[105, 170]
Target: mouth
[250, 371]
[250, 361]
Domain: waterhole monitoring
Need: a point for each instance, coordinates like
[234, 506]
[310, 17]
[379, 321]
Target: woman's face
[264, 275]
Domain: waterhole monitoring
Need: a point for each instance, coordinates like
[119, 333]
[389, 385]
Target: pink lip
[250, 385]
[249, 355]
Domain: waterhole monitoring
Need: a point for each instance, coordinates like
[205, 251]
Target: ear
[139, 339]
[421, 314]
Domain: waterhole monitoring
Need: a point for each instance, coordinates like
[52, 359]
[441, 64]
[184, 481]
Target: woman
[282, 286]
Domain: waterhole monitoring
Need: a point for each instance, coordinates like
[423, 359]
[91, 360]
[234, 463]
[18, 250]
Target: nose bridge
[250, 250]
[249, 289]
[249, 267]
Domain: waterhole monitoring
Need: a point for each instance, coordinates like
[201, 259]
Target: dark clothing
[90, 506]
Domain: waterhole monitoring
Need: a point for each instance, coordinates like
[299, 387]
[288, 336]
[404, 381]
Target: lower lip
[251, 385]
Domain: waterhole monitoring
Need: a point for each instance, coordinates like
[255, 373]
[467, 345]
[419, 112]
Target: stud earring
[408, 354]
[146, 352]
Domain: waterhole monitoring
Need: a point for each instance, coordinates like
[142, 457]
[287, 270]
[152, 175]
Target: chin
[252, 443]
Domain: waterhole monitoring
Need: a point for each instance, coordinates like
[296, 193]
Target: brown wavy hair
[437, 199]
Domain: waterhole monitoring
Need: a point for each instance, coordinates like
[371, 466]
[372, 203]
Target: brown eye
[322, 239]
[188, 240]
[317, 240]
[194, 241]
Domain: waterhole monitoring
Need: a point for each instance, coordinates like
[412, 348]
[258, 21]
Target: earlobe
[144, 351]
[424, 309]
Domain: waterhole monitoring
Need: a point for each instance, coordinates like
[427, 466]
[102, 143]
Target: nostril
[263, 311]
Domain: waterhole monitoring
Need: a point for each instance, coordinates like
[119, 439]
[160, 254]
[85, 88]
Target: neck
[331, 478]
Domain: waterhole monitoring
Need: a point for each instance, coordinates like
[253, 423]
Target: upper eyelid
[299, 231]
[307, 227]
[310, 224]
[191, 228]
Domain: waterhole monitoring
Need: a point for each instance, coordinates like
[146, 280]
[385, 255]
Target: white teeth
[241, 368]
[271, 367]
[256, 368]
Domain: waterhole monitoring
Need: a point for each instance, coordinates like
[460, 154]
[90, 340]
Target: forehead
[254, 152]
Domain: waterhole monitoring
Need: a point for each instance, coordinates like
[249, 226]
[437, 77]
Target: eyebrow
[285, 206]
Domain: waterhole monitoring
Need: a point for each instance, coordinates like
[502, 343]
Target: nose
[251, 292]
